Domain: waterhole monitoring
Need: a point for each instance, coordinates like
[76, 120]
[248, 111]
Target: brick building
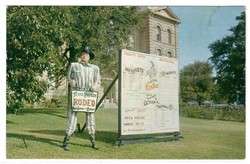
[157, 33]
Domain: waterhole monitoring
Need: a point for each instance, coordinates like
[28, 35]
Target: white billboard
[149, 94]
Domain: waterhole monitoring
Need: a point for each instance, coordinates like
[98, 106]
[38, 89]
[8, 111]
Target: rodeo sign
[84, 101]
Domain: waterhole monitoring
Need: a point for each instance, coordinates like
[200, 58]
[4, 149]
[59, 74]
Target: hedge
[228, 113]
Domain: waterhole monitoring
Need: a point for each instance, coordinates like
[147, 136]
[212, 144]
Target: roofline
[172, 13]
[168, 9]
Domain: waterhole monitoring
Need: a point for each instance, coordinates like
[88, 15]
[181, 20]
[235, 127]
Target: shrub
[228, 113]
[54, 102]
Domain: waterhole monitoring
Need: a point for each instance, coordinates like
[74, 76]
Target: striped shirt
[84, 76]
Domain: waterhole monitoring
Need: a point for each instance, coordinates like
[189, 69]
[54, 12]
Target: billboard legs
[175, 136]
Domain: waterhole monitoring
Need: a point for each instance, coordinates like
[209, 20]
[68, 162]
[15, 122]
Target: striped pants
[72, 121]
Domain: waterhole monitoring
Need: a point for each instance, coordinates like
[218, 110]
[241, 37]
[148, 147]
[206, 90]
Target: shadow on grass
[103, 136]
[10, 122]
[24, 137]
[53, 111]
[50, 132]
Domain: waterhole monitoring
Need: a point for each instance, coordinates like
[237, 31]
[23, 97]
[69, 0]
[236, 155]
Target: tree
[228, 59]
[216, 96]
[47, 39]
[196, 82]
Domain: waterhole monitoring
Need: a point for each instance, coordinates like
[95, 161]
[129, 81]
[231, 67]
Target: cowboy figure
[82, 76]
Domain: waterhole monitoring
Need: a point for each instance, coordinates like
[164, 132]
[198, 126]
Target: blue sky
[201, 26]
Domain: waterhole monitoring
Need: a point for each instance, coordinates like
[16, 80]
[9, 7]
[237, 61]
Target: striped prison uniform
[85, 77]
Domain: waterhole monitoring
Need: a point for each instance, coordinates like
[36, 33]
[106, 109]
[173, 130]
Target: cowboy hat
[88, 51]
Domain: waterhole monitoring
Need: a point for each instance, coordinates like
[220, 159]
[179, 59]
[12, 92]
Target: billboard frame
[138, 138]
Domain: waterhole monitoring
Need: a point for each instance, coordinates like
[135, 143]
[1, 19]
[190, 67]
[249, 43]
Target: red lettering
[84, 102]
[92, 103]
[89, 103]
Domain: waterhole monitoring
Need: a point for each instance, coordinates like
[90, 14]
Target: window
[169, 37]
[158, 35]
[159, 52]
[169, 54]
[131, 43]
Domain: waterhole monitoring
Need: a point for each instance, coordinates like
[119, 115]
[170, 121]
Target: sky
[201, 26]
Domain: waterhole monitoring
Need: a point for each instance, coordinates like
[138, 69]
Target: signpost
[148, 97]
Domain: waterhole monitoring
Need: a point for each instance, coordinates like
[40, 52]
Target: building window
[159, 52]
[169, 37]
[169, 54]
[131, 43]
[158, 35]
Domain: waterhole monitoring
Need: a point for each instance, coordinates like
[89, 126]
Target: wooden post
[101, 100]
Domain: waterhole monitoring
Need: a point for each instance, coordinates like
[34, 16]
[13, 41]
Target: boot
[92, 140]
[78, 127]
[65, 143]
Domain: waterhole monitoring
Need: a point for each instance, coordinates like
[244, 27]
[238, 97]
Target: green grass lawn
[43, 132]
